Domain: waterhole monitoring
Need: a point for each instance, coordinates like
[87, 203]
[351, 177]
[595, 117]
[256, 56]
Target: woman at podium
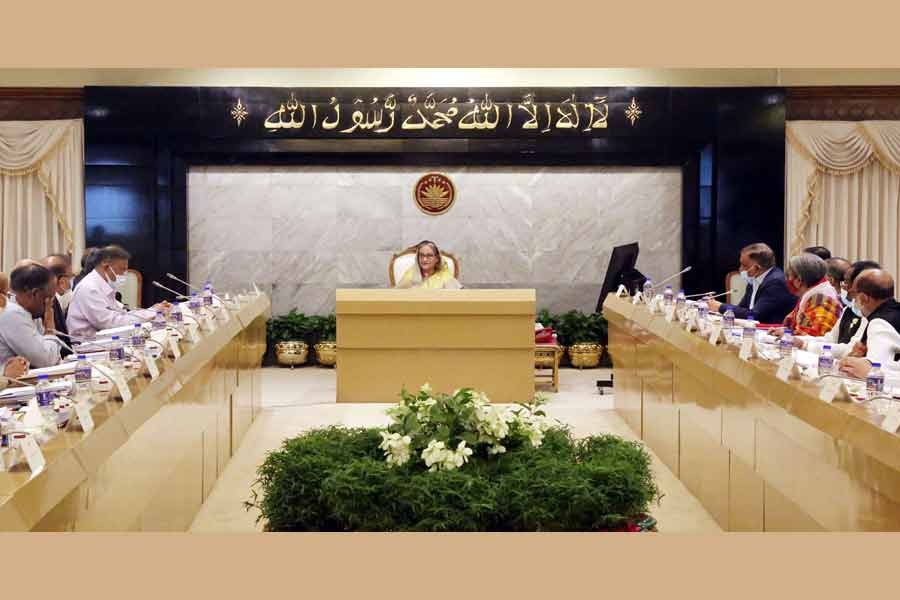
[431, 270]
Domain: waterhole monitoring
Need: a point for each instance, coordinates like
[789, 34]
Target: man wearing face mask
[852, 325]
[881, 340]
[21, 331]
[767, 295]
[94, 306]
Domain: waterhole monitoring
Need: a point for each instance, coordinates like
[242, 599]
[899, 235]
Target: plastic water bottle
[668, 296]
[648, 290]
[875, 381]
[116, 353]
[786, 345]
[137, 337]
[750, 329]
[176, 316]
[194, 303]
[83, 389]
[207, 294]
[728, 319]
[826, 362]
[45, 399]
[159, 321]
[702, 310]
[680, 301]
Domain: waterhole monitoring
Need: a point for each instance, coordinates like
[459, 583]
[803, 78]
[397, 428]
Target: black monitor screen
[621, 271]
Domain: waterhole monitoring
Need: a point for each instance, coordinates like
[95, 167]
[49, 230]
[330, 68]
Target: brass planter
[326, 353]
[291, 353]
[585, 355]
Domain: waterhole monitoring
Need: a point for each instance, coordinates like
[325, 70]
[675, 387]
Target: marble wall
[302, 232]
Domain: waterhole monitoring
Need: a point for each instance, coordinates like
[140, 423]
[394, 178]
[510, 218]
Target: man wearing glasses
[33, 287]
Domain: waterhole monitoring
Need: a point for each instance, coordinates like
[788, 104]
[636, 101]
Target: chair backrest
[402, 261]
[736, 287]
[131, 291]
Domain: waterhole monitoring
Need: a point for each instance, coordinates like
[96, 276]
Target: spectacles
[427, 256]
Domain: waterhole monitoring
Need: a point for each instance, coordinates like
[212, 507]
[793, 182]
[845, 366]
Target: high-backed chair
[736, 287]
[404, 260]
[131, 291]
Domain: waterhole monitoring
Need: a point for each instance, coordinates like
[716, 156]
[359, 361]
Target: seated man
[881, 340]
[60, 266]
[852, 325]
[820, 251]
[94, 306]
[835, 271]
[767, 295]
[20, 333]
[819, 307]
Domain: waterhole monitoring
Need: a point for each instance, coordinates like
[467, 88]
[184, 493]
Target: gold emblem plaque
[434, 194]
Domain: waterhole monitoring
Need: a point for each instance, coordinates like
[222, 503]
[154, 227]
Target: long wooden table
[390, 338]
[149, 464]
[761, 454]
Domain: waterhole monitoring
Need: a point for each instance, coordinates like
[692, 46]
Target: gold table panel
[389, 338]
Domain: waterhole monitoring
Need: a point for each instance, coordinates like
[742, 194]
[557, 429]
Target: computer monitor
[621, 271]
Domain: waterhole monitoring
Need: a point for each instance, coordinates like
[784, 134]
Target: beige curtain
[843, 189]
[41, 189]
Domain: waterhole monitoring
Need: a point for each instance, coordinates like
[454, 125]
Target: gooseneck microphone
[671, 277]
[171, 291]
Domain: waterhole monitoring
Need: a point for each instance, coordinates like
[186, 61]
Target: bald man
[875, 299]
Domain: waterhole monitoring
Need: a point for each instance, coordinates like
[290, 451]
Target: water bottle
[176, 316]
[875, 381]
[116, 353]
[826, 362]
[728, 319]
[668, 296]
[786, 345]
[207, 294]
[194, 303]
[159, 321]
[137, 337]
[702, 310]
[83, 389]
[749, 329]
[648, 290]
[680, 301]
[45, 399]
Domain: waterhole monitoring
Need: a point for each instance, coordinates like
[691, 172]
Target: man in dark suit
[767, 296]
[61, 266]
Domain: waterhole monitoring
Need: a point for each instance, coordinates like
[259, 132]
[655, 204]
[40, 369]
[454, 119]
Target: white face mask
[844, 298]
[117, 282]
[855, 308]
[745, 275]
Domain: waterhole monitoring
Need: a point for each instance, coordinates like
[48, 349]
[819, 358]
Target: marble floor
[303, 398]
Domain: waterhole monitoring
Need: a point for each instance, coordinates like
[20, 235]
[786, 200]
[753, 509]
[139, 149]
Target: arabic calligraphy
[383, 115]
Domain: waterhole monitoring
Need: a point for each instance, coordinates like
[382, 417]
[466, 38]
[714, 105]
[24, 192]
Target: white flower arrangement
[444, 431]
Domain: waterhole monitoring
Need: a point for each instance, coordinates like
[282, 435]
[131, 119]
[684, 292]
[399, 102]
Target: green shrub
[336, 479]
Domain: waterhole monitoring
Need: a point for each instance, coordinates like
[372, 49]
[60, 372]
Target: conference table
[389, 339]
[760, 452]
[150, 462]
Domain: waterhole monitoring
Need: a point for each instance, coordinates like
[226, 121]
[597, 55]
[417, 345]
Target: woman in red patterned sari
[819, 307]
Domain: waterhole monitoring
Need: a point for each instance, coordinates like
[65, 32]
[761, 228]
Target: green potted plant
[287, 334]
[586, 336]
[326, 348]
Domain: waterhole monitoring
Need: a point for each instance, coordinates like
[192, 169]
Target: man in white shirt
[881, 341]
[21, 331]
[850, 329]
[94, 306]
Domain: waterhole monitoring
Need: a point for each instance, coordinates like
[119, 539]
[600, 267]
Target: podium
[389, 339]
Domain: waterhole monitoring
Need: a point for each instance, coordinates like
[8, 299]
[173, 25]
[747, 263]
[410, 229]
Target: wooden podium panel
[389, 338]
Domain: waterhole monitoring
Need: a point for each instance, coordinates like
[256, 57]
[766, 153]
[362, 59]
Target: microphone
[170, 276]
[707, 295]
[171, 291]
[670, 278]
